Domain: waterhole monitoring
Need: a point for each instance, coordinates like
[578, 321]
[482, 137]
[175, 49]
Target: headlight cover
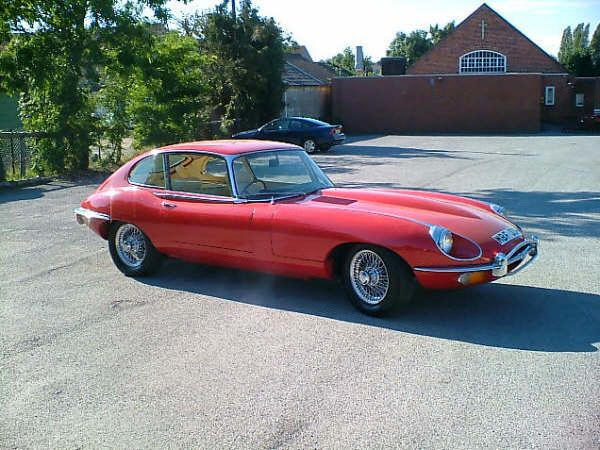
[442, 238]
[498, 209]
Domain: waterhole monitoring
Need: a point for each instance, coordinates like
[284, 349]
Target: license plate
[506, 235]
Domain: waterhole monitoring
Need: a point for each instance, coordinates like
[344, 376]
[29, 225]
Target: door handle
[169, 205]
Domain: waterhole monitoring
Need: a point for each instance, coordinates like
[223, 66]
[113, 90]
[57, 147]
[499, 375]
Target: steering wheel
[255, 181]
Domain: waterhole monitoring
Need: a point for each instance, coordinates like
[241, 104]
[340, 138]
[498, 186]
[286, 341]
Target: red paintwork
[299, 236]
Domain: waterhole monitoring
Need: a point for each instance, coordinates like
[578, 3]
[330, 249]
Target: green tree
[595, 50]
[368, 63]
[168, 98]
[576, 52]
[581, 35]
[411, 46]
[437, 33]
[245, 72]
[344, 61]
[566, 46]
[50, 53]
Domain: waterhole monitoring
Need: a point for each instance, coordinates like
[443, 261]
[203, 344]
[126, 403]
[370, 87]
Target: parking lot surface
[212, 358]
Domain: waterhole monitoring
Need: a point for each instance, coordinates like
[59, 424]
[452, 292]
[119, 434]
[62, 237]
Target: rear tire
[377, 280]
[310, 146]
[131, 250]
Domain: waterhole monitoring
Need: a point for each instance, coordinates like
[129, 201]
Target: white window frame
[550, 96]
[579, 100]
[482, 62]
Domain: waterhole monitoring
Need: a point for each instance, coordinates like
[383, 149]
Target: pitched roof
[295, 76]
[300, 71]
[445, 43]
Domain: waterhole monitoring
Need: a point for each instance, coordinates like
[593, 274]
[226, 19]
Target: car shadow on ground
[495, 315]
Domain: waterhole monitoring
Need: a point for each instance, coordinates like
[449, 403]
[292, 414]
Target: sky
[326, 27]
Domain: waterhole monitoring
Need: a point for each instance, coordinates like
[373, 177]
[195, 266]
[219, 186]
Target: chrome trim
[500, 210]
[501, 263]
[194, 198]
[528, 247]
[88, 214]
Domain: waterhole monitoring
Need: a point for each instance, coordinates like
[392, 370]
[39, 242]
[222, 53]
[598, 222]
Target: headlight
[442, 238]
[498, 209]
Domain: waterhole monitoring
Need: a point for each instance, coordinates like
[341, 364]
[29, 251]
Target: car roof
[230, 146]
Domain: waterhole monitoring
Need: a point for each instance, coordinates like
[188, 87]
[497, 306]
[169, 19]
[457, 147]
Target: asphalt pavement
[200, 357]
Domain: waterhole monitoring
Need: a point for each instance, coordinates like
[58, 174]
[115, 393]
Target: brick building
[484, 76]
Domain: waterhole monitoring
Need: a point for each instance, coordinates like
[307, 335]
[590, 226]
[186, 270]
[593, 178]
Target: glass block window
[482, 61]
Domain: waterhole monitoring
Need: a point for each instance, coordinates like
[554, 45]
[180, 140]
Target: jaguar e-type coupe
[266, 206]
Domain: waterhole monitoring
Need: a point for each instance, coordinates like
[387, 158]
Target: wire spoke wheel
[369, 276]
[130, 245]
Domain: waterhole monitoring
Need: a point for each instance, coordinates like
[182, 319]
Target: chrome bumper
[84, 216]
[524, 253]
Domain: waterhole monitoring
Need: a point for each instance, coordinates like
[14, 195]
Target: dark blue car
[311, 134]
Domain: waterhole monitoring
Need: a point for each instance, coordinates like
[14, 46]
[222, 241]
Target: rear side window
[199, 174]
[149, 172]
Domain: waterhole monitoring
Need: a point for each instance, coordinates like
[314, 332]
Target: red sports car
[267, 206]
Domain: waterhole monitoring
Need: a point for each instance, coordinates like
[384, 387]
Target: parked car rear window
[199, 174]
[149, 172]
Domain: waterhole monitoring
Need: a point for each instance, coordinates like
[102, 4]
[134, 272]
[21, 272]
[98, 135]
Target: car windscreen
[279, 173]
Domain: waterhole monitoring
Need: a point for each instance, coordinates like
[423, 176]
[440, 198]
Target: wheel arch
[336, 257]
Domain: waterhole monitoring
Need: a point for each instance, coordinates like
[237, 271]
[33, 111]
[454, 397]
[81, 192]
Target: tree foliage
[245, 74]
[438, 33]
[90, 73]
[580, 56]
[413, 45]
[169, 96]
[345, 62]
[594, 50]
[50, 52]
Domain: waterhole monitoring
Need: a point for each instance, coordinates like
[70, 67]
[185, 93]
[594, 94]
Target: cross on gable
[483, 27]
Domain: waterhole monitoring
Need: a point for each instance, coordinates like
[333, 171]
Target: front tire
[131, 250]
[377, 280]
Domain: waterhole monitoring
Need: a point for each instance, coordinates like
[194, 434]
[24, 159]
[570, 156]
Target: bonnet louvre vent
[334, 200]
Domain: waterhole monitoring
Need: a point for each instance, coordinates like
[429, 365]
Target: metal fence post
[22, 146]
[12, 155]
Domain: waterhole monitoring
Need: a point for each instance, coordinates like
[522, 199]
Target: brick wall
[451, 103]
[521, 54]
[563, 110]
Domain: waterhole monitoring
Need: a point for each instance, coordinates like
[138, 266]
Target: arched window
[482, 61]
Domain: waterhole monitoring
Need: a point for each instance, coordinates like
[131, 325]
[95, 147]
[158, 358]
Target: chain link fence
[15, 152]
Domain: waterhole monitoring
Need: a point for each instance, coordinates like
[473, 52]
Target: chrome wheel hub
[130, 245]
[309, 146]
[369, 276]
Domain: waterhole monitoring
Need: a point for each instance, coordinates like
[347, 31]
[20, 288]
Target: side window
[298, 124]
[284, 124]
[271, 126]
[550, 92]
[149, 172]
[199, 174]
